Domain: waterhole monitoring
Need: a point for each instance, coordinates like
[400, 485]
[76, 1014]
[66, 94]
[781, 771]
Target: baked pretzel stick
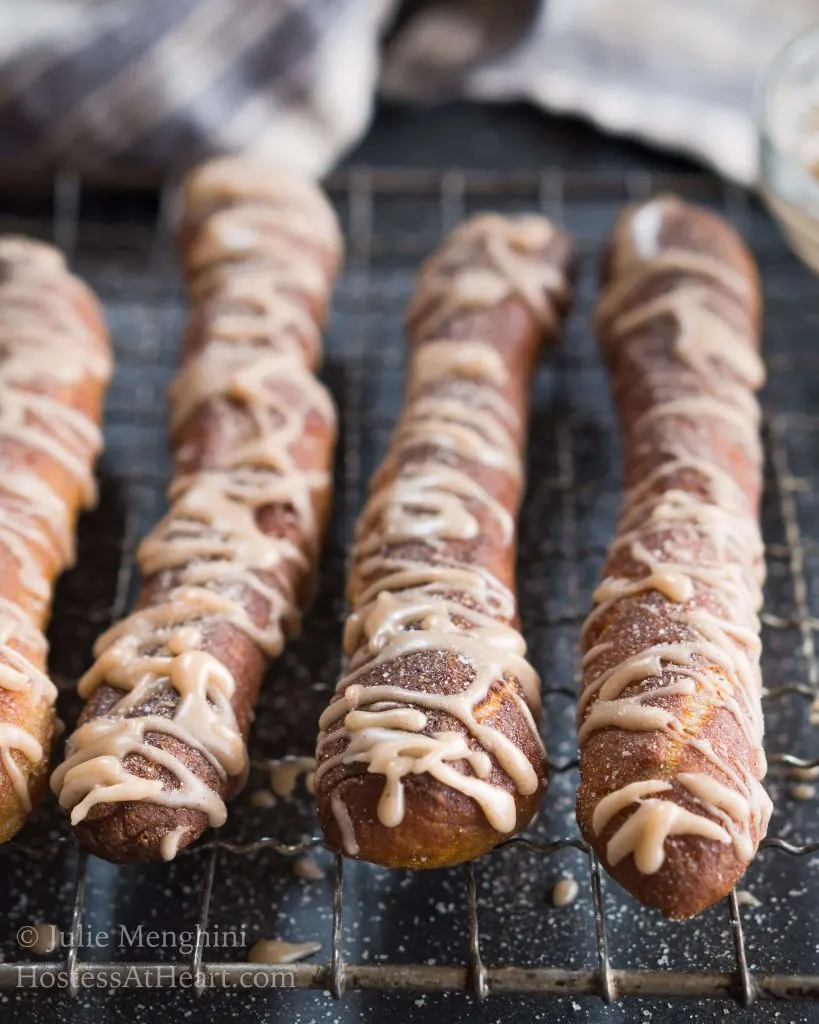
[161, 742]
[429, 752]
[55, 364]
[670, 715]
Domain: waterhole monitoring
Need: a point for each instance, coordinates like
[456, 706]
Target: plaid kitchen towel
[157, 84]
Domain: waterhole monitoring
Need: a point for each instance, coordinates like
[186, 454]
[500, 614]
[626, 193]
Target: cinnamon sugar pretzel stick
[429, 753]
[160, 744]
[670, 714]
[55, 364]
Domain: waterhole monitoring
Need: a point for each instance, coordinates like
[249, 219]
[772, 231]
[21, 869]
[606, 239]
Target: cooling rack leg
[336, 966]
[608, 991]
[76, 925]
[478, 980]
[202, 921]
[746, 981]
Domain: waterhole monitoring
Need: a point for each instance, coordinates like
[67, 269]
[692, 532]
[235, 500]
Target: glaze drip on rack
[417, 587]
[46, 344]
[259, 261]
[697, 546]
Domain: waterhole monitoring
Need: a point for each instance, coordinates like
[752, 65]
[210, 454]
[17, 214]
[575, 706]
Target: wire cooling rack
[489, 927]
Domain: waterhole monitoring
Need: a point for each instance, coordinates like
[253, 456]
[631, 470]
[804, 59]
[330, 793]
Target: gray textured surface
[567, 521]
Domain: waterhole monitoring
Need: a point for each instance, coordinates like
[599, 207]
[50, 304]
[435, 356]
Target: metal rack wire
[380, 211]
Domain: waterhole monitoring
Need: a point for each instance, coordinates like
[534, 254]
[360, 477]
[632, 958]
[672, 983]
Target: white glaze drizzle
[45, 342]
[508, 246]
[346, 828]
[702, 551]
[169, 846]
[262, 253]
[456, 420]
[286, 772]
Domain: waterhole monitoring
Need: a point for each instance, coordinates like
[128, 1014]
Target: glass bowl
[789, 143]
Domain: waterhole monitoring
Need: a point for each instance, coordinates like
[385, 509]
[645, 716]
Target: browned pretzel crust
[670, 713]
[55, 364]
[160, 744]
[429, 753]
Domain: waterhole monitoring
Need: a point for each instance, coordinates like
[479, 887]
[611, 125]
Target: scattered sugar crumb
[263, 798]
[564, 892]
